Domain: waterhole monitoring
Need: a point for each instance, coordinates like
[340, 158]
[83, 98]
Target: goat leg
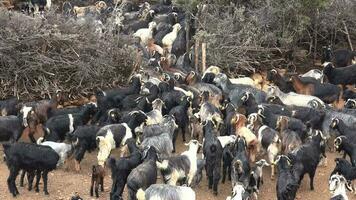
[102, 184]
[30, 177]
[97, 188]
[32, 138]
[22, 177]
[224, 173]
[311, 176]
[38, 177]
[45, 179]
[92, 187]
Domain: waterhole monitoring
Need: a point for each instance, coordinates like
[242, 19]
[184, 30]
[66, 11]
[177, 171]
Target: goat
[121, 168]
[342, 76]
[212, 151]
[144, 174]
[338, 185]
[62, 149]
[8, 106]
[278, 80]
[94, 9]
[97, 178]
[287, 185]
[327, 92]
[182, 166]
[243, 131]
[291, 140]
[343, 143]
[344, 168]
[110, 137]
[83, 139]
[145, 34]
[257, 172]
[307, 157]
[169, 39]
[166, 192]
[31, 158]
[58, 126]
[240, 164]
[310, 116]
[344, 57]
[235, 91]
[269, 140]
[155, 116]
[293, 99]
[180, 113]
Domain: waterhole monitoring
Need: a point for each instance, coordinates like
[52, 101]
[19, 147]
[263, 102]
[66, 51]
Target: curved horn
[338, 141]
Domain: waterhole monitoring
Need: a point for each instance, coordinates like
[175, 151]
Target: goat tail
[213, 148]
[140, 195]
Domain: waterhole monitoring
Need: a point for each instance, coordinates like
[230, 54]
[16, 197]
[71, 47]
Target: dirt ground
[62, 184]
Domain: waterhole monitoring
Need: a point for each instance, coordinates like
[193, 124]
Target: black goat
[8, 106]
[213, 152]
[83, 139]
[180, 114]
[31, 158]
[240, 164]
[343, 76]
[121, 168]
[306, 159]
[144, 174]
[344, 168]
[287, 185]
[310, 116]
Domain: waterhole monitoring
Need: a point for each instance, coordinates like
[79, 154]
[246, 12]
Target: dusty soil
[63, 183]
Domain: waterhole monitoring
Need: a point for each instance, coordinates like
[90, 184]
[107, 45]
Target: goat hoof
[46, 193]
[215, 193]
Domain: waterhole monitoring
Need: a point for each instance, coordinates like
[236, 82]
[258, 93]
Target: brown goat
[241, 130]
[290, 139]
[97, 178]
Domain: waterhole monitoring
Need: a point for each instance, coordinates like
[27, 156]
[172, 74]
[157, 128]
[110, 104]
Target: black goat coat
[30, 156]
[11, 128]
[86, 137]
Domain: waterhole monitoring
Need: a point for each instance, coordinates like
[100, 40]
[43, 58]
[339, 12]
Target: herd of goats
[287, 124]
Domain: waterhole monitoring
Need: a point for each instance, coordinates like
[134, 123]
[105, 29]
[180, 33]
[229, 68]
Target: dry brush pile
[39, 56]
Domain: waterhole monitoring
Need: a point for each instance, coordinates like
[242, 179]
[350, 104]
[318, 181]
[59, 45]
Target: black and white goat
[179, 167]
[110, 137]
[337, 186]
[343, 143]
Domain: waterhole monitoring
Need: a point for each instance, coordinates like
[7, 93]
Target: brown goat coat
[251, 139]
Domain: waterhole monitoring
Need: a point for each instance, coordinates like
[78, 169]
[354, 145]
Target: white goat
[293, 99]
[169, 39]
[62, 149]
[145, 34]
